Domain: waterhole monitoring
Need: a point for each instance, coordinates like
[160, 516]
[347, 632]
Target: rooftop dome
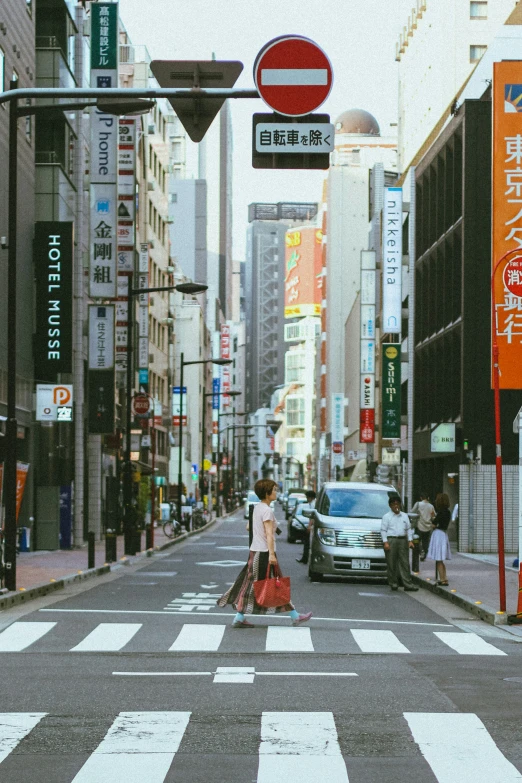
[357, 121]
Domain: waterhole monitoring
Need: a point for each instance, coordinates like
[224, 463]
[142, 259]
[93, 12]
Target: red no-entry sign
[140, 405]
[513, 276]
[293, 75]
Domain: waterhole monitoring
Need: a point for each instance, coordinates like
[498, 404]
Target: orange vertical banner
[22, 468]
[507, 215]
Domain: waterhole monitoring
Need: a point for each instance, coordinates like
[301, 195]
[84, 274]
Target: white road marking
[288, 640]
[209, 587]
[243, 671]
[108, 637]
[300, 746]
[234, 675]
[200, 638]
[279, 77]
[233, 614]
[457, 746]
[162, 674]
[306, 674]
[239, 547]
[14, 726]
[468, 644]
[155, 573]
[378, 641]
[18, 636]
[223, 563]
[139, 746]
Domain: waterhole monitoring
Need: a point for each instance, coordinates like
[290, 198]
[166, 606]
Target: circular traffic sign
[293, 75]
[140, 405]
[513, 276]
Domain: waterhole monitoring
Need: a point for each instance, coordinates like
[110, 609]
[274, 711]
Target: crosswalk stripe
[139, 746]
[288, 639]
[468, 644]
[378, 641]
[18, 636]
[457, 746]
[300, 746]
[14, 726]
[198, 637]
[108, 637]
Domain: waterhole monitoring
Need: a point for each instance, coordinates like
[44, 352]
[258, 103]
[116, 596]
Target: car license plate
[361, 565]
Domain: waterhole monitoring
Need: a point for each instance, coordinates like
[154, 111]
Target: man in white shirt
[423, 524]
[397, 537]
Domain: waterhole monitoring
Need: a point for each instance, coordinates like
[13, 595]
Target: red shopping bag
[272, 591]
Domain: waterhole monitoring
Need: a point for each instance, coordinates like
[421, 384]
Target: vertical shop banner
[101, 337]
[104, 155]
[391, 391]
[101, 401]
[53, 258]
[392, 261]
[176, 405]
[216, 397]
[22, 469]
[337, 430]
[368, 298]
[303, 272]
[507, 217]
[122, 320]
[226, 353]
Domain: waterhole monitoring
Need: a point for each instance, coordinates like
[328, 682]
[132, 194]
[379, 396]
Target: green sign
[391, 391]
[104, 36]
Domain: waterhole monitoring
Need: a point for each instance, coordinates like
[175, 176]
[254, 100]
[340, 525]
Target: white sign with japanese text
[309, 137]
[102, 271]
[101, 337]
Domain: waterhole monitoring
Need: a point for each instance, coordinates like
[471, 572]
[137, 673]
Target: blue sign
[216, 383]
[143, 376]
[175, 390]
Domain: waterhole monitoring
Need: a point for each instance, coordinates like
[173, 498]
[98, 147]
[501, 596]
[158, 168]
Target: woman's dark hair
[264, 487]
[442, 501]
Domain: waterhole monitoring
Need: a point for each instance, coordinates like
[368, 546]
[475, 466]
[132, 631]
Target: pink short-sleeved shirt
[262, 512]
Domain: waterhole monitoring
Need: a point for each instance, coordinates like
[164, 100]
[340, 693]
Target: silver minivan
[346, 538]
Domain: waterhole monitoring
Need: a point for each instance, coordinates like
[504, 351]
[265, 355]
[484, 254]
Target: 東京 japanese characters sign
[293, 75]
[507, 218]
[391, 391]
[286, 137]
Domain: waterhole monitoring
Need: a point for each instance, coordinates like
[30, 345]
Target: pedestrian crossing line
[288, 639]
[18, 636]
[14, 726]
[378, 641]
[139, 746]
[108, 637]
[300, 746]
[457, 746]
[468, 644]
[195, 637]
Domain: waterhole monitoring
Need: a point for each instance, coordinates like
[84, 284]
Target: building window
[29, 6]
[478, 9]
[295, 411]
[476, 51]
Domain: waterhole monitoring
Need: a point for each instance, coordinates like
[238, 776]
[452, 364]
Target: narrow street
[140, 677]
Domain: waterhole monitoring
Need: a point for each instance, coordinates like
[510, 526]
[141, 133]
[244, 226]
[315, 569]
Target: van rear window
[358, 503]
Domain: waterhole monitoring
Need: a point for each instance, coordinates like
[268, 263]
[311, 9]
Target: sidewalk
[474, 584]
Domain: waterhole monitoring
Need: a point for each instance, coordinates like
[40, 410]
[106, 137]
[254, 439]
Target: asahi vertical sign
[104, 155]
[367, 303]
[392, 261]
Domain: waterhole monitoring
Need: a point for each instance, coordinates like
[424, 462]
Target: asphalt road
[139, 678]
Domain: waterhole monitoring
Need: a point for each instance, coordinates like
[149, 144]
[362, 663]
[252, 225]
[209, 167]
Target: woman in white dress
[439, 549]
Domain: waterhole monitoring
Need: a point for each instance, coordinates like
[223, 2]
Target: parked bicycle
[171, 528]
[200, 517]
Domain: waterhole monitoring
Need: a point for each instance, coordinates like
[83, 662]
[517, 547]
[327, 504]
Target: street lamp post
[124, 106]
[184, 288]
[183, 364]
[220, 415]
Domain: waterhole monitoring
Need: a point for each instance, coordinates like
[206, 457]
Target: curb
[8, 600]
[480, 610]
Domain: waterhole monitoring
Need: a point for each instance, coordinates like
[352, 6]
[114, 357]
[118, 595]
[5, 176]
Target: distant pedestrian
[397, 537]
[308, 506]
[423, 525]
[439, 545]
[262, 553]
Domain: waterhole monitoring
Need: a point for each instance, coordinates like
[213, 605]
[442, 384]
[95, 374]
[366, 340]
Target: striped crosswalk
[306, 746]
[214, 637]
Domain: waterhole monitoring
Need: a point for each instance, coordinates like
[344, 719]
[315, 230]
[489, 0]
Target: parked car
[346, 537]
[297, 524]
[252, 498]
[293, 499]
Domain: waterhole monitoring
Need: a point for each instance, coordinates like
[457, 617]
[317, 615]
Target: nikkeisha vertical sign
[53, 254]
[392, 261]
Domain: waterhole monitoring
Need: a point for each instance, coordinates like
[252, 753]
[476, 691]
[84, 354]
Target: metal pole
[153, 495]
[128, 543]
[202, 467]
[12, 424]
[218, 457]
[180, 445]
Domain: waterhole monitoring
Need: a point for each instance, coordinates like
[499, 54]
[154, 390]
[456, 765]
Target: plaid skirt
[241, 594]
